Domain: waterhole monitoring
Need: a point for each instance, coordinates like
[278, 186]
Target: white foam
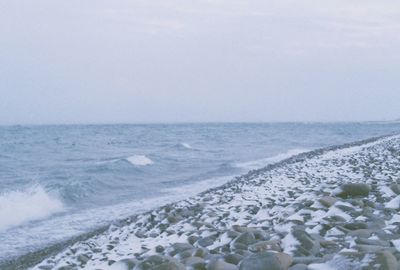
[139, 160]
[186, 145]
[260, 163]
[193, 189]
[21, 206]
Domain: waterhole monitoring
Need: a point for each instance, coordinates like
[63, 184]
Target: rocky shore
[332, 209]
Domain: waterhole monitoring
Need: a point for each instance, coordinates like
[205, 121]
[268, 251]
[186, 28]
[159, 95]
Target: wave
[260, 163]
[34, 203]
[139, 160]
[186, 145]
[182, 146]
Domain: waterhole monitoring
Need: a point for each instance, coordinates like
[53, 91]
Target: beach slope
[335, 208]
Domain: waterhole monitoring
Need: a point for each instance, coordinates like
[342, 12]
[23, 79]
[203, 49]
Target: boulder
[179, 248]
[243, 240]
[206, 241]
[233, 258]
[355, 225]
[125, 264]
[353, 190]
[257, 232]
[308, 246]
[395, 188]
[266, 261]
[265, 245]
[328, 201]
[169, 266]
[200, 252]
[195, 263]
[221, 265]
[299, 266]
[384, 260]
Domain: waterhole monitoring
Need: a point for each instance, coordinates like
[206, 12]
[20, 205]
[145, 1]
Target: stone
[179, 247]
[308, 260]
[258, 234]
[233, 258]
[200, 252]
[366, 241]
[299, 266]
[353, 190]
[193, 260]
[376, 224]
[308, 246]
[385, 260]
[125, 264]
[266, 261]
[184, 254]
[66, 267]
[221, 265]
[193, 239]
[206, 241]
[159, 249]
[174, 219]
[169, 266]
[328, 201]
[155, 259]
[369, 248]
[355, 225]
[83, 259]
[45, 267]
[395, 188]
[362, 233]
[243, 240]
[266, 245]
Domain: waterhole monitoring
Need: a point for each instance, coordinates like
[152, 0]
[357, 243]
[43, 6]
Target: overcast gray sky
[98, 61]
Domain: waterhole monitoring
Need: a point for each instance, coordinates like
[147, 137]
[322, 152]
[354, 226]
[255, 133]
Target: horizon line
[198, 122]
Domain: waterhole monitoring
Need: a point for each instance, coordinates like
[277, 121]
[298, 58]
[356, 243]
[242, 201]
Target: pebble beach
[336, 208]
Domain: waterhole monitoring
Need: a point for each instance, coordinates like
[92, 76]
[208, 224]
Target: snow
[396, 244]
[394, 204]
[321, 266]
[289, 243]
[386, 191]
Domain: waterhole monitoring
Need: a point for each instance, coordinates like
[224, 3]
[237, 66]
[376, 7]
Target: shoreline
[30, 259]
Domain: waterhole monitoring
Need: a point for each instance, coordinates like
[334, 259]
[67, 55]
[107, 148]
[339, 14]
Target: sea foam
[139, 160]
[186, 145]
[260, 163]
[20, 206]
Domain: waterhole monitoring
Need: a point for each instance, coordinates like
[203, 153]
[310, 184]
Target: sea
[61, 181]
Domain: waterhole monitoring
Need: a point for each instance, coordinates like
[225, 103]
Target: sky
[139, 61]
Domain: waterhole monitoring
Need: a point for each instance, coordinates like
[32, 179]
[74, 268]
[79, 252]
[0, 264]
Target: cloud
[211, 59]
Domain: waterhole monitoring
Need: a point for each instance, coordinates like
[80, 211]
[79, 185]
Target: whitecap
[186, 145]
[20, 206]
[139, 160]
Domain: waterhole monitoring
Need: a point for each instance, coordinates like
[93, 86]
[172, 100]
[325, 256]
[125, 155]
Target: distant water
[60, 181]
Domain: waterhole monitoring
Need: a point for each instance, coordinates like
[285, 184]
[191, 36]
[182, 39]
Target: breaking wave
[139, 160]
[20, 206]
[186, 145]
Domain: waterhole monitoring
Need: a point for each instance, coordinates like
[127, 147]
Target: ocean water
[60, 181]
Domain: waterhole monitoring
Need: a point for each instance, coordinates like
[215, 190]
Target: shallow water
[61, 181]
